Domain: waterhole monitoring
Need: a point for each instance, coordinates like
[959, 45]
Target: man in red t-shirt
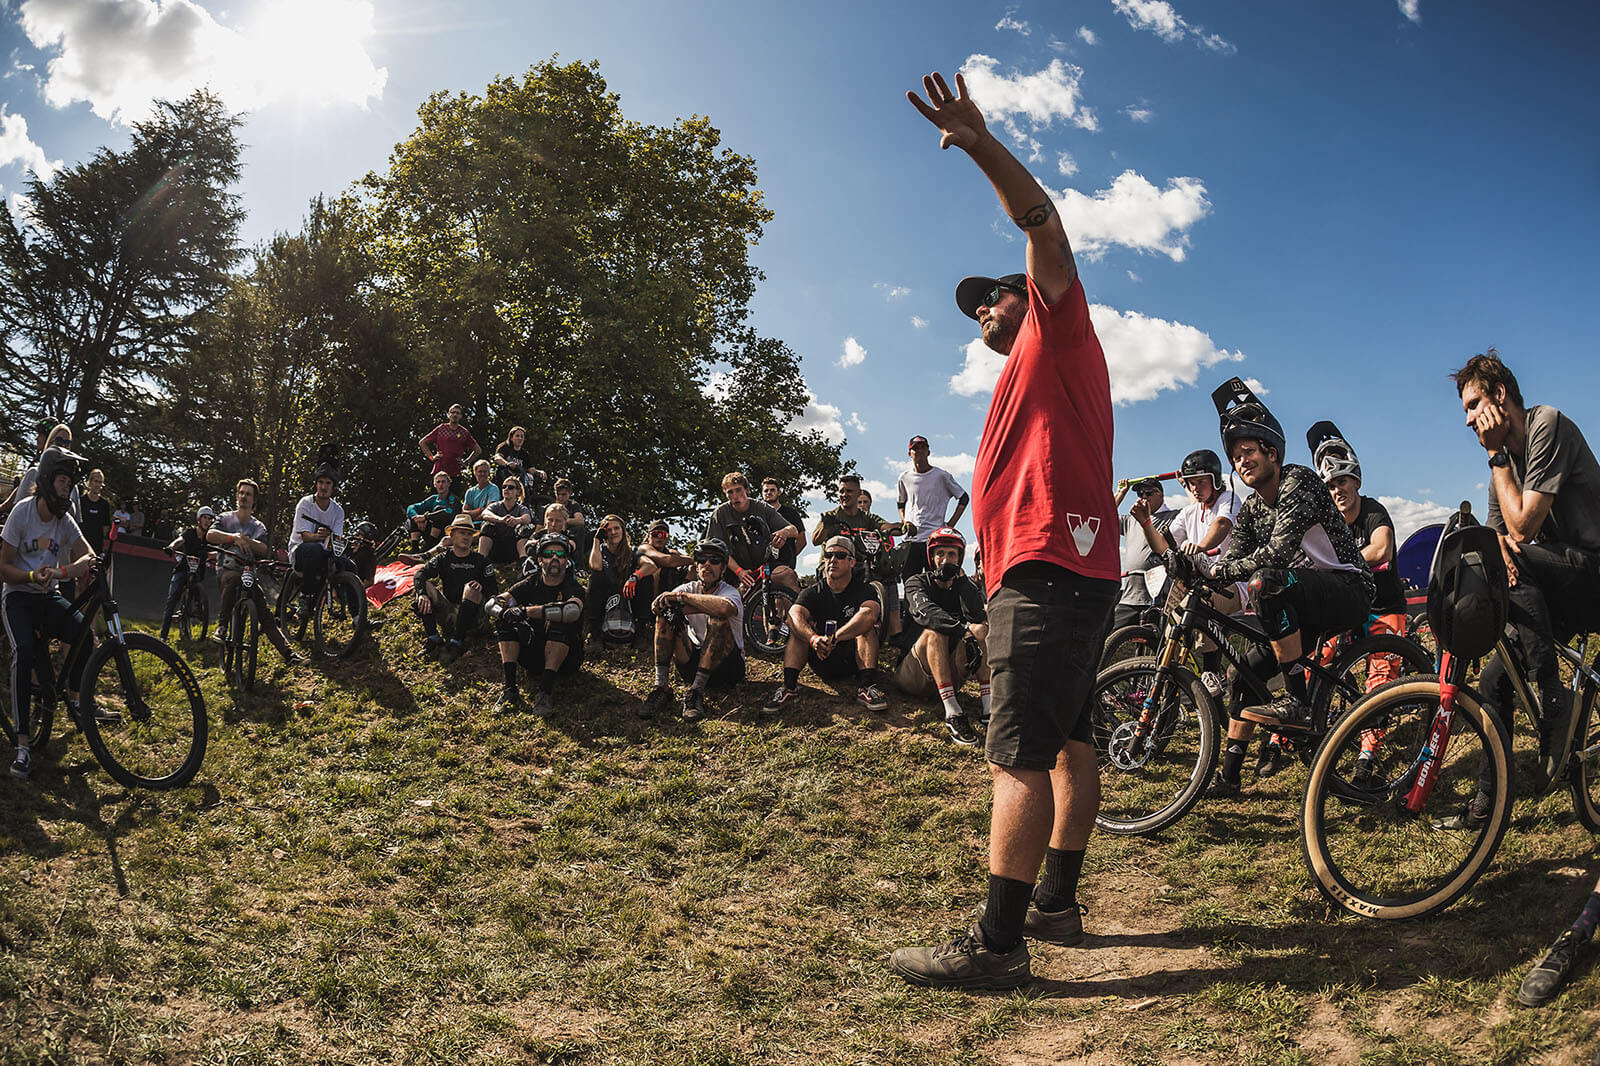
[450, 445]
[1047, 525]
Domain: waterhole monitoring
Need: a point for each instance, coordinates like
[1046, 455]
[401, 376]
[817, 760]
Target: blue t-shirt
[477, 499]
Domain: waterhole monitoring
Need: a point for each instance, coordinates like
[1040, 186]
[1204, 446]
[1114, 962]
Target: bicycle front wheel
[766, 627]
[1364, 849]
[142, 713]
[341, 615]
[247, 631]
[1129, 642]
[1155, 733]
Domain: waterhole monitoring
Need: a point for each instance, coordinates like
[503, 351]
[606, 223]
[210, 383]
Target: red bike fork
[1433, 755]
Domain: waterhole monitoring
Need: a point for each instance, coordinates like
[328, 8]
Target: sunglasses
[554, 553]
[702, 557]
[994, 294]
[1150, 492]
[837, 555]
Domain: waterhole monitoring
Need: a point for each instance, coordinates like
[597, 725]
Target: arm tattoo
[1035, 216]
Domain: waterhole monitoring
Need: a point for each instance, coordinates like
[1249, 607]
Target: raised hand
[957, 117]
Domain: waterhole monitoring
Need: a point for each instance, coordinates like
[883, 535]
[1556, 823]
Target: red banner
[390, 581]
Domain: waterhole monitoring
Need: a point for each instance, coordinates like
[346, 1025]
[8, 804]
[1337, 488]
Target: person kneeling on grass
[539, 621]
[699, 626]
[833, 626]
[465, 577]
[948, 608]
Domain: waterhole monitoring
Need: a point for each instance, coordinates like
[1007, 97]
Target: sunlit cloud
[16, 146]
[1162, 19]
[1135, 214]
[854, 353]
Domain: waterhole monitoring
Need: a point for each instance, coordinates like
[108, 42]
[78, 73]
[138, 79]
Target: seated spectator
[450, 444]
[772, 496]
[507, 525]
[833, 627]
[481, 494]
[243, 532]
[660, 568]
[465, 579]
[191, 544]
[749, 528]
[871, 535]
[429, 518]
[577, 527]
[700, 627]
[947, 614]
[512, 459]
[539, 621]
[614, 615]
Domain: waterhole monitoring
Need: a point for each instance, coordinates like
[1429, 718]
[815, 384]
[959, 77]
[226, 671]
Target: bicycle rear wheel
[341, 615]
[41, 718]
[1151, 774]
[143, 714]
[1364, 850]
[1584, 772]
[1368, 663]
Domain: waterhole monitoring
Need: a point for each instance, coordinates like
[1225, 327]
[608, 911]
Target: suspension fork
[1432, 757]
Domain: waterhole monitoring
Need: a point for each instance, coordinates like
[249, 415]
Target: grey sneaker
[22, 765]
[1064, 927]
[781, 697]
[1286, 714]
[964, 962]
[872, 698]
[694, 704]
[510, 701]
[543, 704]
[1540, 986]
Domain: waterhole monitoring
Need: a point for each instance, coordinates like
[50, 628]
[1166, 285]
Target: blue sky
[1341, 201]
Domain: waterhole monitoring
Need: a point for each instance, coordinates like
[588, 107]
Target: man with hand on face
[539, 621]
[1139, 557]
[1544, 502]
[833, 627]
[700, 627]
[946, 607]
[465, 579]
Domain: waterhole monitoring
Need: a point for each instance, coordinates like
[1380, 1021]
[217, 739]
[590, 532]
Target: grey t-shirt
[1557, 460]
[228, 522]
[1137, 558]
[39, 542]
[745, 539]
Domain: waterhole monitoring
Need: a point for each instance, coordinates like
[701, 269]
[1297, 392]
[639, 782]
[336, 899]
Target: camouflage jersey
[1302, 531]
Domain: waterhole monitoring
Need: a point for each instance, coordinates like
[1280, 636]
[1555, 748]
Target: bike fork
[1432, 756]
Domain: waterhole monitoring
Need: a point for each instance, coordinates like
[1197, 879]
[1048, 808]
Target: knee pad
[1268, 588]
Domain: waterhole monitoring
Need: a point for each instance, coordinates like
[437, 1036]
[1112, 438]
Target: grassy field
[373, 868]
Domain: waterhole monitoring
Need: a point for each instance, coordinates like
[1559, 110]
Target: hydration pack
[1468, 591]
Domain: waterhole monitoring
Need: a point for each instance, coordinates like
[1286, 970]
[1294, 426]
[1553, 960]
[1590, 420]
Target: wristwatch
[1500, 458]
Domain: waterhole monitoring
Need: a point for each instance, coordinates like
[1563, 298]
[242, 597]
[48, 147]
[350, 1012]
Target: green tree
[561, 267]
[103, 271]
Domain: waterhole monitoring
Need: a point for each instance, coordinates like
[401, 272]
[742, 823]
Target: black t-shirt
[455, 572]
[825, 605]
[930, 605]
[518, 458]
[1389, 597]
[790, 552]
[194, 544]
[747, 535]
[94, 518]
[533, 592]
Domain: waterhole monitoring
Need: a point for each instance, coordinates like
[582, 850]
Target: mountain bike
[766, 611]
[1157, 730]
[240, 634]
[194, 606]
[139, 705]
[338, 616]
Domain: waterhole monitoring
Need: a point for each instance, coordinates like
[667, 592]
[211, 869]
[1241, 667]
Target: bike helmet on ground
[1244, 417]
[713, 549]
[1331, 454]
[948, 537]
[54, 462]
[1202, 461]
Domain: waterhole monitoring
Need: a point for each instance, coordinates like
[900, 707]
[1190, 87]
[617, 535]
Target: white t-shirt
[698, 623]
[228, 522]
[926, 498]
[1193, 521]
[307, 509]
[39, 542]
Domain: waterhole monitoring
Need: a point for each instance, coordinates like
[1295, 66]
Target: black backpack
[1468, 591]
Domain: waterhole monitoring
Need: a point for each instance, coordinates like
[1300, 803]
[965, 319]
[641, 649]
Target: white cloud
[1163, 20]
[1135, 214]
[1066, 164]
[961, 464]
[120, 55]
[823, 417]
[1256, 387]
[1041, 98]
[1009, 23]
[1134, 277]
[854, 354]
[17, 147]
[1411, 9]
[881, 490]
[918, 322]
[1146, 356]
[1139, 114]
[980, 371]
[856, 423]
[811, 559]
[718, 385]
[1411, 515]
[891, 292]
[1086, 35]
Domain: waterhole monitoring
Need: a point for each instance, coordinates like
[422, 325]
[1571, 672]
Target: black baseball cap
[972, 293]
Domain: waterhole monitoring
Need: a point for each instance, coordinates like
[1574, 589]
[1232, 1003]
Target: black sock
[1585, 924]
[466, 617]
[1058, 885]
[1007, 910]
[429, 626]
[1294, 680]
[547, 682]
[1211, 661]
[791, 677]
[510, 669]
[866, 676]
[1233, 760]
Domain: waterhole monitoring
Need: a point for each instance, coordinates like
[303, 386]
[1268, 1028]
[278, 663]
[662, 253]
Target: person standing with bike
[1544, 502]
[1047, 527]
[40, 543]
[318, 518]
[1303, 570]
[191, 550]
[242, 531]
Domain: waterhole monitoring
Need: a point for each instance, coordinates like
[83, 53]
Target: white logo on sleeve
[1084, 531]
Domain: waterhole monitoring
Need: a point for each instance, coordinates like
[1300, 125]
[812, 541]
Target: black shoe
[1540, 986]
[1271, 759]
[965, 962]
[22, 765]
[1220, 787]
[510, 701]
[656, 702]
[1468, 819]
[1366, 776]
[1286, 714]
[960, 730]
[694, 703]
[1555, 741]
[1064, 927]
